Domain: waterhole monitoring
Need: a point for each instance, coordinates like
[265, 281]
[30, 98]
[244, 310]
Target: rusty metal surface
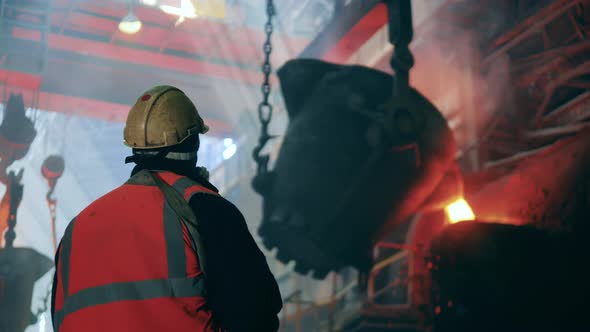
[541, 189]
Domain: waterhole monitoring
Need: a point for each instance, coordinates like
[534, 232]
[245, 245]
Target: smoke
[449, 71]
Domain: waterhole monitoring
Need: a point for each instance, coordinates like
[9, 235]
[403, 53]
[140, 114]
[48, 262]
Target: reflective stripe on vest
[176, 285]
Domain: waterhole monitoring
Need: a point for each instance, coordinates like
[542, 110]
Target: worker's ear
[299, 79]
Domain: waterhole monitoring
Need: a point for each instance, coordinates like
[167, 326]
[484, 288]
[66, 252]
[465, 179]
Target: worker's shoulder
[201, 187]
[209, 197]
[112, 201]
[204, 183]
[202, 202]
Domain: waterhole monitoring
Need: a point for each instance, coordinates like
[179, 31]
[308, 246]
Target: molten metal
[459, 211]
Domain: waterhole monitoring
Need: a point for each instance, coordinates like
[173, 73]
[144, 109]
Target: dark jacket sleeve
[242, 292]
[54, 287]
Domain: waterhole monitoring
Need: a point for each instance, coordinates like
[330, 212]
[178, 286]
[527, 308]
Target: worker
[164, 251]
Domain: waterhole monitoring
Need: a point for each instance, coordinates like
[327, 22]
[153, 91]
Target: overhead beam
[353, 29]
[532, 20]
[28, 85]
[9, 78]
[556, 131]
[376, 51]
[194, 37]
[351, 25]
[102, 110]
[358, 35]
[143, 57]
[530, 26]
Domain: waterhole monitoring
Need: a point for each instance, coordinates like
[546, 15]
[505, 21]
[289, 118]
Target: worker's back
[128, 264]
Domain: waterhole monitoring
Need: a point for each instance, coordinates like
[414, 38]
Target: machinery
[52, 169]
[501, 277]
[519, 265]
[19, 267]
[337, 186]
[363, 151]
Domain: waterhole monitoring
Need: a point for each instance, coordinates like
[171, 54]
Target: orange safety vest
[126, 263]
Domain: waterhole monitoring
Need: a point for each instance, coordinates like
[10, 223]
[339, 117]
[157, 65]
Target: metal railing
[393, 275]
[324, 314]
[373, 293]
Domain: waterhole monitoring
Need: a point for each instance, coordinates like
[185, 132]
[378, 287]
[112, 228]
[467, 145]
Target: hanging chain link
[52, 205]
[265, 108]
[402, 121]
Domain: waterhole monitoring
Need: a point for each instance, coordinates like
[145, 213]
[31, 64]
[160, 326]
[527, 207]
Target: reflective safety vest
[126, 263]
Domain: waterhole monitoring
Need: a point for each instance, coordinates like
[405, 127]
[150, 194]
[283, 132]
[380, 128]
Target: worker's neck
[177, 166]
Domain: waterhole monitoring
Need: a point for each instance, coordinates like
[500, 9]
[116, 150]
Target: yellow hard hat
[163, 116]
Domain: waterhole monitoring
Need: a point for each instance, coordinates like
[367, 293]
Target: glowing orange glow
[4, 211]
[459, 211]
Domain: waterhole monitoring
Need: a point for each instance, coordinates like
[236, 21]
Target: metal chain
[52, 204]
[402, 120]
[401, 32]
[265, 108]
[16, 194]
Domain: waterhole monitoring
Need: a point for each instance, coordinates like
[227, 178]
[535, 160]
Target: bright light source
[186, 10]
[210, 8]
[178, 11]
[149, 2]
[130, 24]
[459, 211]
[130, 27]
[227, 142]
[229, 151]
